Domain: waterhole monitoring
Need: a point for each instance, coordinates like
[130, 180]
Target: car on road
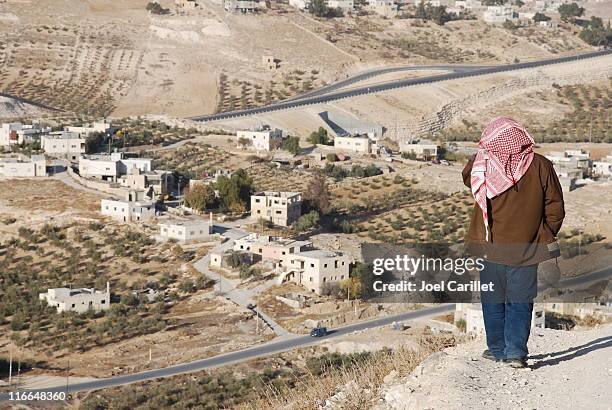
[251, 306]
[318, 332]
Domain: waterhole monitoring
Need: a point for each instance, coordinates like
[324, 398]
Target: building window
[312, 265]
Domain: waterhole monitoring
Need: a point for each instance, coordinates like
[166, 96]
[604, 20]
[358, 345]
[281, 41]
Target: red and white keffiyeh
[504, 154]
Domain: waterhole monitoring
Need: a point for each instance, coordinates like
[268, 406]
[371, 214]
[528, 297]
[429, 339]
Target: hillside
[567, 369]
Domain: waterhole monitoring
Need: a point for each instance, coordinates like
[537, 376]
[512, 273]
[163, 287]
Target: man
[518, 213]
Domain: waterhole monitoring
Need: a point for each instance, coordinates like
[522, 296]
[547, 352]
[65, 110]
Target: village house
[241, 6]
[85, 130]
[63, 144]
[188, 230]
[317, 269]
[187, 4]
[271, 248]
[18, 133]
[347, 6]
[154, 183]
[111, 167]
[23, 166]
[134, 207]
[77, 300]
[360, 144]
[422, 149]
[300, 4]
[385, 8]
[210, 178]
[280, 208]
[471, 314]
[603, 167]
[499, 14]
[262, 138]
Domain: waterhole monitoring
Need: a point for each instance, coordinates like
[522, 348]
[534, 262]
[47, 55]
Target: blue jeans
[507, 310]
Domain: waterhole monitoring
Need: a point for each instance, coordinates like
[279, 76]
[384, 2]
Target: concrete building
[471, 313]
[64, 144]
[603, 167]
[385, 8]
[111, 167]
[358, 143]
[498, 14]
[85, 130]
[187, 231]
[280, 208]
[300, 4]
[270, 63]
[271, 248]
[347, 6]
[77, 300]
[423, 149]
[187, 4]
[134, 207]
[317, 269]
[242, 6]
[18, 133]
[154, 183]
[22, 166]
[210, 178]
[260, 139]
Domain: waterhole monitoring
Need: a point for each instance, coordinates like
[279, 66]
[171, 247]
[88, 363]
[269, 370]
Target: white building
[385, 8]
[346, 6]
[134, 207]
[18, 133]
[471, 313]
[103, 127]
[498, 14]
[423, 149]
[259, 139]
[64, 144]
[22, 166]
[300, 4]
[271, 248]
[356, 143]
[603, 167]
[280, 208]
[241, 6]
[110, 167]
[186, 231]
[317, 269]
[77, 300]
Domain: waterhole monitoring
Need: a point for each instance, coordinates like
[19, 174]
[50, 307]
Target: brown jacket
[522, 220]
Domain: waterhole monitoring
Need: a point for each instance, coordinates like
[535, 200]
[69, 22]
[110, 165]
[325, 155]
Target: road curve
[391, 85]
[283, 344]
[266, 349]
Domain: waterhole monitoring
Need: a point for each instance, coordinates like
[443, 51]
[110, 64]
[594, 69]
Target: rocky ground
[567, 369]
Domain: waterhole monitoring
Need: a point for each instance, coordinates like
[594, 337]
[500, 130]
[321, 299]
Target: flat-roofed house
[63, 144]
[423, 149]
[271, 248]
[77, 300]
[317, 269]
[260, 139]
[354, 143]
[22, 166]
[133, 208]
[102, 127]
[280, 208]
[17, 133]
[186, 231]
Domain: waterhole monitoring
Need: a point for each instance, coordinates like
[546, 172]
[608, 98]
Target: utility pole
[10, 365]
[150, 355]
[67, 376]
[591, 129]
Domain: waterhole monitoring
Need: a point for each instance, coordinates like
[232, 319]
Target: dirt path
[568, 369]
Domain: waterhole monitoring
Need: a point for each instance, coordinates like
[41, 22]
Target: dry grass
[365, 379]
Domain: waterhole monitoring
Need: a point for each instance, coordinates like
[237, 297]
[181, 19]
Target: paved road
[229, 287]
[266, 349]
[327, 96]
[283, 344]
